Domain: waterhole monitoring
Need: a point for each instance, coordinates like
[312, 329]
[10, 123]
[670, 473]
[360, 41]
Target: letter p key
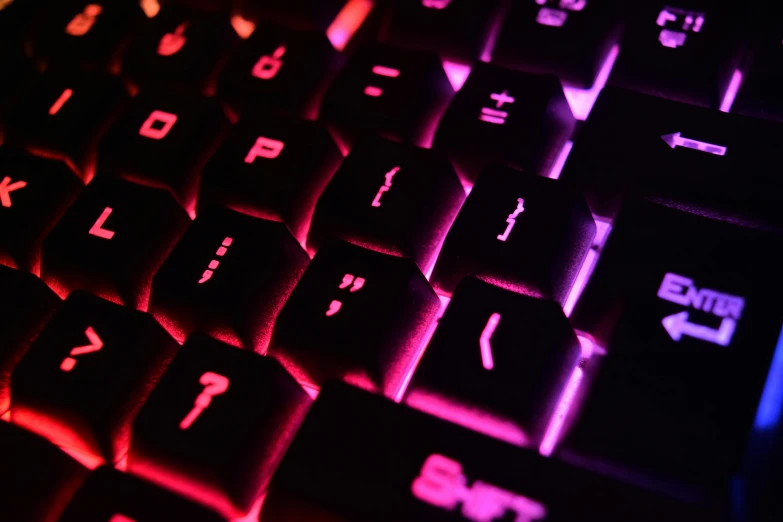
[264, 148]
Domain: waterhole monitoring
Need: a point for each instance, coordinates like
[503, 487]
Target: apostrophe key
[359, 456]
[357, 315]
[568, 38]
[217, 424]
[111, 496]
[685, 51]
[457, 30]
[682, 306]
[393, 92]
[702, 159]
[279, 68]
[163, 139]
[38, 478]
[179, 48]
[63, 114]
[300, 14]
[85, 33]
[34, 193]
[111, 241]
[393, 198]
[228, 276]
[503, 356]
[83, 379]
[503, 116]
[272, 167]
[522, 232]
[26, 304]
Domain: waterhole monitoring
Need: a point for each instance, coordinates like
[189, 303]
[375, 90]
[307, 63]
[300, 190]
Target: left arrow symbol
[676, 140]
[95, 344]
[6, 187]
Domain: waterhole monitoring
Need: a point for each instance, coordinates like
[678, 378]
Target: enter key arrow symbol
[676, 140]
[677, 325]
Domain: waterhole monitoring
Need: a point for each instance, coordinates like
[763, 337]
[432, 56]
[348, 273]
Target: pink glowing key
[356, 283]
[385, 187]
[214, 384]
[267, 67]
[172, 43]
[334, 307]
[227, 242]
[221, 251]
[57, 105]
[264, 148]
[486, 336]
[347, 22]
[206, 276]
[6, 187]
[83, 22]
[97, 227]
[347, 280]
[148, 129]
[213, 264]
[385, 71]
[512, 219]
[493, 116]
[95, 345]
[373, 91]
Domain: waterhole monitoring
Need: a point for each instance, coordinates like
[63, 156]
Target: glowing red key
[148, 129]
[264, 148]
[57, 105]
[214, 384]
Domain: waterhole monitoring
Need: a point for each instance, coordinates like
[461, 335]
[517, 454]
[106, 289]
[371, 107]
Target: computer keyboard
[390, 260]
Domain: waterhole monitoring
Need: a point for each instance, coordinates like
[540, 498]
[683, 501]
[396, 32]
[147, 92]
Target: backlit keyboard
[391, 260]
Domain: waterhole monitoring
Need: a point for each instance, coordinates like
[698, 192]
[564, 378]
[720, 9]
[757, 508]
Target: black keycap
[395, 92]
[88, 372]
[38, 479]
[569, 38]
[281, 68]
[271, 167]
[15, 18]
[228, 276]
[111, 496]
[522, 232]
[686, 52]
[504, 116]
[458, 30]
[683, 305]
[299, 14]
[179, 48]
[34, 193]
[357, 315]
[758, 96]
[84, 33]
[696, 157]
[63, 114]
[26, 304]
[111, 241]
[163, 139]
[218, 421]
[17, 73]
[498, 353]
[393, 198]
[362, 457]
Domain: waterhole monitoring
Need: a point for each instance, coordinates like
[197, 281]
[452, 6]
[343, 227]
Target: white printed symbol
[356, 284]
[681, 290]
[264, 148]
[552, 17]
[385, 187]
[436, 4]
[486, 335]
[97, 227]
[676, 140]
[214, 384]
[673, 38]
[267, 67]
[213, 264]
[95, 345]
[512, 219]
[380, 70]
[496, 116]
[442, 484]
[6, 187]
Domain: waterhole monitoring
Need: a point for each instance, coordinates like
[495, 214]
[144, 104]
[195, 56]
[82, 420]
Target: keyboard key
[758, 96]
[34, 193]
[111, 241]
[26, 304]
[63, 114]
[686, 52]
[15, 17]
[682, 306]
[179, 48]
[362, 457]
[228, 276]
[394, 92]
[357, 315]
[84, 33]
[568, 38]
[38, 478]
[298, 14]
[457, 30]
[88, 372]
[271, 167]
[111, 496]
[505, 116]
[701, 159]
[393, 198]
[218, 422]
[17, 72]
[281, 68]
[163, 139]
[522, 232]
[499, 354]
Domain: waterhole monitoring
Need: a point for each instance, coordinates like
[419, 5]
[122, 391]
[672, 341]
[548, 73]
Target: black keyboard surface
[391, 260]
